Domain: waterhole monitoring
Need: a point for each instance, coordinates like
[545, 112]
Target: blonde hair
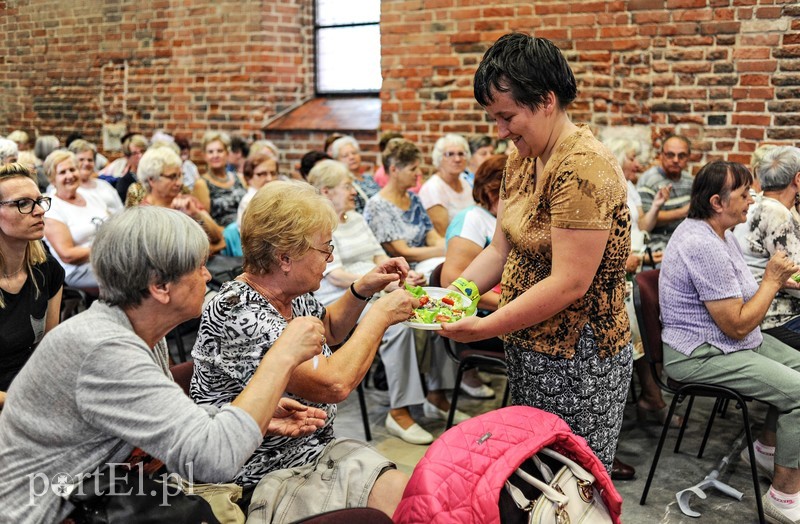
[328, 173]
[281, 219]
[34, 252]
[55, 158]
[216, 136]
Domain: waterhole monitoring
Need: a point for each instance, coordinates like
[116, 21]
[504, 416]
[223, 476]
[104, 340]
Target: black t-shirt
[22, 320]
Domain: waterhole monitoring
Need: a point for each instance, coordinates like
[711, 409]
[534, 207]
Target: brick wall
[725, 72]
[178, 65]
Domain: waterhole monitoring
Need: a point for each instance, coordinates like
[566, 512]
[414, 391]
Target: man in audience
[672, 173]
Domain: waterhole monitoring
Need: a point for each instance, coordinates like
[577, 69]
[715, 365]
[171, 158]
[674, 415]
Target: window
[348, 46]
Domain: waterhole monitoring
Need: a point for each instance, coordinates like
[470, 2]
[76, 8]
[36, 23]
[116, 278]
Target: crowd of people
[550, 232]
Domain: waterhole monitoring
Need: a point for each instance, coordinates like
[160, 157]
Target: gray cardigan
[91, 384]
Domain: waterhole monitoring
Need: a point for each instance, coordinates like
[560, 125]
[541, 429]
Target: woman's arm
[340, 373]
[737, 318]
[460, 253]
[440, 218]
[341, 278]
[59, 237]
[400, 248]
[577, 254]
[200, 192]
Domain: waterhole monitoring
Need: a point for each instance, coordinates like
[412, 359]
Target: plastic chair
[484, 354]
[648, 313]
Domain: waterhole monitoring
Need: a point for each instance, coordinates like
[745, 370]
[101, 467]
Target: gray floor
[637, 445]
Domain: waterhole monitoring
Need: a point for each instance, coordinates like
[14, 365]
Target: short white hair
[450, 139]
[339, 143]
[8, 149]
[153, 163]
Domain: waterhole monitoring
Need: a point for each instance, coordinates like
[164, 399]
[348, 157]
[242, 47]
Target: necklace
[15, 273]
[264, 293]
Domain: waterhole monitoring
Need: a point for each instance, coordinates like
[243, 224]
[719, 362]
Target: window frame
[317, 27]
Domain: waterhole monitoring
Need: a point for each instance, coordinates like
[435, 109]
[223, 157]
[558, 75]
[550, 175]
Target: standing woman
[31, 281]
[73, 221]
[560, 246]
[219, 190]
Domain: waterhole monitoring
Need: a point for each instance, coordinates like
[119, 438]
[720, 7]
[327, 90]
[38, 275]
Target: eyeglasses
[671, 155]
[451, 154]
[171, 178]
[328, 252]
[25, 205]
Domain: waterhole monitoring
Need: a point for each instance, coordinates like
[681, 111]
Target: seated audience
[773, 225]
[396, 215]
[380, 175]
[122, 171]
[108, 386]
[481, 147]
[358, 253]
[188, 168]
[85, 154]
[447, 192]
[286, 239]
[238, 152]
[160, 176]
[650, 405]
[219, 190]
[347, 151]
[44, 145]
[671, 173]
[260, 169]
[31, 280]
[73, 220]
[711, 308]
[8, 151]
[309, 160]
[22, 140]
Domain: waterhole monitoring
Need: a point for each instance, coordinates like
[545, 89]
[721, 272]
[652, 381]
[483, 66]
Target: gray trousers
[769, 373]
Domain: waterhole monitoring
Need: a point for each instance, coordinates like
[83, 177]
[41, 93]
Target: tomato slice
[442, 318]
[423, 300]
[449, 301]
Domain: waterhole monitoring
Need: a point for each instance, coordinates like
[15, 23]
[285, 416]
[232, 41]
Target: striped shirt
[649, 183]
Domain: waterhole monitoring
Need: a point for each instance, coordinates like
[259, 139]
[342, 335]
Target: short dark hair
[713, 179]
[183, 143]
[527, 67]
[309, 160]
[239, 145]
[487, 180]
[477, 142]
[386, 137]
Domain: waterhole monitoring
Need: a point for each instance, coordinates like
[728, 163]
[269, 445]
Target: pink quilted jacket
[460, 477]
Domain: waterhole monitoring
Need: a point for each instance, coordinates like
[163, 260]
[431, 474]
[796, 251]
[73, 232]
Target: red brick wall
[724, 72]
[181, 65]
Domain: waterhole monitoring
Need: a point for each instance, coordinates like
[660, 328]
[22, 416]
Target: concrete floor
[637, 445]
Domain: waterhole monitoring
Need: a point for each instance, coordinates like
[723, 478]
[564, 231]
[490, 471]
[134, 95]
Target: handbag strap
[523, 502]
[576, 469]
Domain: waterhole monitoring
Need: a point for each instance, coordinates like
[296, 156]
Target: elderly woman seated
[448, 191]
[287, 243]
[109, 390]
[347, 151]
[160, 175]
[73, 220]
[711, 308]
[359, 252]
[773, 225]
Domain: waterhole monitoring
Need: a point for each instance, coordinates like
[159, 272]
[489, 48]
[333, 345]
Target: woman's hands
[388, 271]
[780, 269]
[187, 204]
[396, 307]
[303, 338]
[293, 419]
[465, 330]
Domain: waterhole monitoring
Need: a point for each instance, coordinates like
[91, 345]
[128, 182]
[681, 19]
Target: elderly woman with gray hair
[109, 390]
[773, 225]
[85, 153]
[287, 235]
[347, 151]
[8, 151]
[160, 175]
[448, 191]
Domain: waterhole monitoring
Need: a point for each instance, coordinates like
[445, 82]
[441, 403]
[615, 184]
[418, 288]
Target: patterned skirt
[587, 392]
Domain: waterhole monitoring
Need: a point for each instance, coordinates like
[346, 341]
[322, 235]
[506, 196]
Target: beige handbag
[568, 497]
[221, 497]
